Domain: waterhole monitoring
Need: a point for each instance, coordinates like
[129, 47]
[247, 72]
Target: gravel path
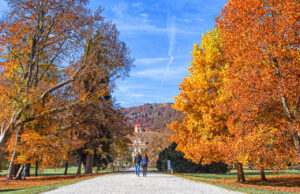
[128, 182]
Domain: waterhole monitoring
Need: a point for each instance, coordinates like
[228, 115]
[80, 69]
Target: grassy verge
[283, 182]
[72, 170]
[42, 188]
[152, 168]
[50, 179]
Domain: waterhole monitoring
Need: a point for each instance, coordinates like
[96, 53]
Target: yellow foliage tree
[202, 133]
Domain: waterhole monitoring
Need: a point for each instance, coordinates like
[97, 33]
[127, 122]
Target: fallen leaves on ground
[39, 181]
[283, 183]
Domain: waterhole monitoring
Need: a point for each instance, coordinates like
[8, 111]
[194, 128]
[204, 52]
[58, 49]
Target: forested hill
[153, 116]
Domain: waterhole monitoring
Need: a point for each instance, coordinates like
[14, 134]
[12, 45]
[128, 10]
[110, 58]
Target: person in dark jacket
[137, 163]
[145, 161]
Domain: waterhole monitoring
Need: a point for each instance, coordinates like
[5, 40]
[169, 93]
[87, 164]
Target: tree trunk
[297, 145]
[19, 172]
[291, 119]
[10, 168]
[262, 174]
[89, 164]
[240, 173]
[11, 164]
[36, 168]
[28, 170]
[67, 164]
[3, 139]
[66, 168]
[79, 164]
[2, 152]
[15, 169]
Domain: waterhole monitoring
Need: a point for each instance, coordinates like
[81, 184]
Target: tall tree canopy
[202, 133]
[217, 126]
[260, 40]
[58, 64]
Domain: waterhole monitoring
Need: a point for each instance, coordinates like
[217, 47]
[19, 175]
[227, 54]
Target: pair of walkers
[138, 159]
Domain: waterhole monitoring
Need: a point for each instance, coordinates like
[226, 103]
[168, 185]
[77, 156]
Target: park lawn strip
[252, 185]
[60, 171]
[152, 169]
[45, 183]
[43, 188]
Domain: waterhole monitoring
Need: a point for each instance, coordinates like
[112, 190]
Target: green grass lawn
[59, 171]
[49, 171]
[152, 168]
[253, 185]
[248, 173]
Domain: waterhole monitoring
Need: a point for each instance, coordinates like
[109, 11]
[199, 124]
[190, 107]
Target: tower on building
[138, 127]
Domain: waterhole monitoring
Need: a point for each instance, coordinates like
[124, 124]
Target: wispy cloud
[140, 21]
[126, 87]
[120, 9]
[138, 6]
[160, 73]
[149, 61]
[144, 15]
[136, 95]
[141, 26]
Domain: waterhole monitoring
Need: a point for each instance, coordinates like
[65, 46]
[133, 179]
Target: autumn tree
[157, 143]
[119, 148]
[202, 133]
[49, 52]
[260, 40]
[105, 125]
[214, 128]
[90, 126]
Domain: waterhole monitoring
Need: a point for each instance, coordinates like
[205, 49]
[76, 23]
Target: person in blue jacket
[145, 161]
[25, 169]
[137, 163]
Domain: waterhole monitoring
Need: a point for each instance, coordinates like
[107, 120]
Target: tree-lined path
[128, 182]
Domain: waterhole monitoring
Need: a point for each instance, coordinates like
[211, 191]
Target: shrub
[181, 165]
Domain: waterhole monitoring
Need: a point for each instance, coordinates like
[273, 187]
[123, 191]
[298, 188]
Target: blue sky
[160, 35]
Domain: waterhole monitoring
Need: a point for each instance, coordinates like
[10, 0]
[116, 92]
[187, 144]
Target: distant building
[140, 139]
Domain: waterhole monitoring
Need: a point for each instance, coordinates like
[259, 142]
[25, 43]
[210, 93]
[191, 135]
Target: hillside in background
[153, 117]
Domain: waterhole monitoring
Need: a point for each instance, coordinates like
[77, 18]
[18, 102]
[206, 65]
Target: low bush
[181, 165]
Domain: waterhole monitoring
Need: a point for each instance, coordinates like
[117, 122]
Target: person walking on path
[145, 164]
[25, 168]
[137, 163]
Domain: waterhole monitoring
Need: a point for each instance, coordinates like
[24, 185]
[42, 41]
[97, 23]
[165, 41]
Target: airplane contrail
[171, 32]
[171, 29]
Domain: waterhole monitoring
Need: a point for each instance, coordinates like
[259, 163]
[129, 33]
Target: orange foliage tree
[46, 57]
[89, 126]
[261, 40]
